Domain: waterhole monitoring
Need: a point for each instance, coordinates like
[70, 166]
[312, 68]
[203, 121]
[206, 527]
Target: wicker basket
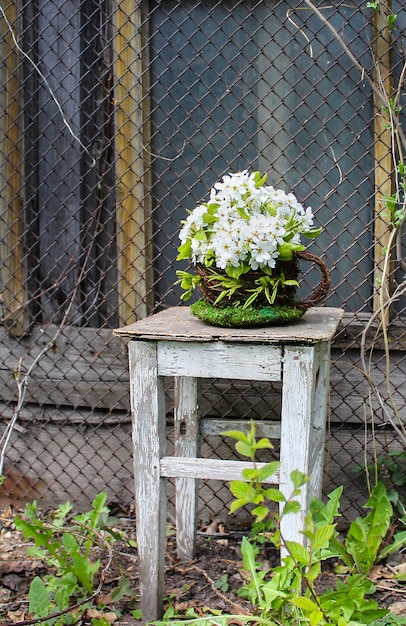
[211, 288]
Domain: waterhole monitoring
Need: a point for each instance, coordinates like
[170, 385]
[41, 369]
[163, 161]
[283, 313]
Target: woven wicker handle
[320, 293]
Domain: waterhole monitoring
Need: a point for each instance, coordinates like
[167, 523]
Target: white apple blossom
[245, 221]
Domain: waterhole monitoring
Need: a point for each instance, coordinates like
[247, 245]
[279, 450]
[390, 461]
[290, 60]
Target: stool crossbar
[173, 343]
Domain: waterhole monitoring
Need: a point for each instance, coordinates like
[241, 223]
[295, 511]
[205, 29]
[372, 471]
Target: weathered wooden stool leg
[148, 415]
[186, 445]
[298, 385]
[320, 415]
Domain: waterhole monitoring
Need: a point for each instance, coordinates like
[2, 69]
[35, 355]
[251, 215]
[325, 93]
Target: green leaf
[365, 535]
[259, 178]
[315, 617]
[38, 533]
[38, 598]
[67, 585]
[260, 512]
[235, 434]
[210, 218]
[69, 543]
[263, 444]
[322, 537]
[291, 507]
[399, 541]
[275, 495]
[312, 234]
[268, 470]
[326, 512]
[234, 272]
[248, 554]
[184, 250]
[285, 252]
[251, 474]
[61, 514]
[298, 552]
[304, 603]
[242, 213]
[251, 298]
[243, 448]
[298, 478]
[124, 589]
[242, 490]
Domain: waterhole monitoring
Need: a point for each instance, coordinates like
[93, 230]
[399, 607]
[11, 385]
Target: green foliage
[390, 469]
[188, 282]
[287, 593]
[267, 285]
[222, 583]
[390, 620]
[366, 534]
[67, 545]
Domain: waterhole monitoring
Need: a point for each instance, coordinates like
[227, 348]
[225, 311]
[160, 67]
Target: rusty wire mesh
[117, 117]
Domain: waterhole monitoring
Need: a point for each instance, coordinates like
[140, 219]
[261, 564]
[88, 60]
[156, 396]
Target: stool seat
[176, 344]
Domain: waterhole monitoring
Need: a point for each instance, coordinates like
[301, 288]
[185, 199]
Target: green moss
[237, 317]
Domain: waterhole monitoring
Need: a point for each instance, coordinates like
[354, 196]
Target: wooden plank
[298, 387]
[384, 166]
[58, 159]
[89, 368]
[177, 323]
[77, 352]
[85, 367]
[53, 463]
[134, 227]
[12, 253]
[263, 428]
[101, 459]
[149, 443]
[209, 360]
[353, 326]
[209, 469]
[187, 444]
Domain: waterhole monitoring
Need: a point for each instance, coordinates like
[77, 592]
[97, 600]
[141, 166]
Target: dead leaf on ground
[16, 616]
[110, 617]
[398, 608]
[378, 572]
[6, 567]
[212, 528]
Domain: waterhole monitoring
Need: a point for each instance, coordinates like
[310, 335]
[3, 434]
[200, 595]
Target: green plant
[222, 583]
[288, 593]
[390, 620]
[390, 469]
[366, 543]
[71, 548]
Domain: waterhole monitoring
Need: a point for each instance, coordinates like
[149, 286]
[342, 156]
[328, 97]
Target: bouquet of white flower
[244, 243]
[245, 224]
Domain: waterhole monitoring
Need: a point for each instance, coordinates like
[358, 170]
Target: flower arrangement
[244, 243]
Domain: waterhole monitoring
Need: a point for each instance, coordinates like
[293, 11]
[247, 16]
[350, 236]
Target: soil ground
[211, 580]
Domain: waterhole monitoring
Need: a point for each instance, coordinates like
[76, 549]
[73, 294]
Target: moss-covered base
[237, 317]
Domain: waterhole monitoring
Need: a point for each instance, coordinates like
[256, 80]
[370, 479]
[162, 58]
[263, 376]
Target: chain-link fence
[117, 117]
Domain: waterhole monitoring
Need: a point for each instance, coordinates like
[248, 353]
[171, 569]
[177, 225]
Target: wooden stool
[174, 343]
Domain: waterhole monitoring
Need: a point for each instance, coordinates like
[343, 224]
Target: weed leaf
[38, 598]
